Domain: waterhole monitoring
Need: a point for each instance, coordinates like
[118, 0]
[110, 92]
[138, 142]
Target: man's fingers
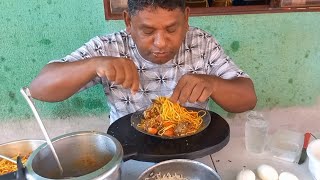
[196, 93]
[121, 71]
[206, 93]
[127, 83]
[120, 74]
[135, 79]
[186, 92]
[110, 73]
[177, 90]
[192, 88]
[175, 95]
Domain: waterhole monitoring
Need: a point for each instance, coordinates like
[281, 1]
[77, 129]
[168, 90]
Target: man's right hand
[122, 71]
[59, 80]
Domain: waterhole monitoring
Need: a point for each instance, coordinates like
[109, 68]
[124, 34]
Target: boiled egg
[287, 176]
[267, 172]
[246, 174]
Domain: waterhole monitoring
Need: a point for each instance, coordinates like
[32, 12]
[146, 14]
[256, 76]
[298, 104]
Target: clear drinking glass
[256, 131]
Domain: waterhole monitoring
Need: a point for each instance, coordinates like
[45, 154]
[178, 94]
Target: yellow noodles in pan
[166, 118]
[8, 167]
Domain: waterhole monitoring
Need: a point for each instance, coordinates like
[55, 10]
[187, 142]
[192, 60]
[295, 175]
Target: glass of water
[256, 132]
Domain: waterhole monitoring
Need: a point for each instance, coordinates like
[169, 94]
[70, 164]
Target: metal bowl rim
[188, 161]
[21, 140]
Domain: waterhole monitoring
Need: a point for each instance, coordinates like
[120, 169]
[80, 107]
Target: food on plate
[167, 176]
[166, 118]
[267, 172]
[287, 176]
[246, 174]
[8, 167]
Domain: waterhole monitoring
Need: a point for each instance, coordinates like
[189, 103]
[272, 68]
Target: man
[157, 55]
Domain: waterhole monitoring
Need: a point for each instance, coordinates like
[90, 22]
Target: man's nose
[159, 40]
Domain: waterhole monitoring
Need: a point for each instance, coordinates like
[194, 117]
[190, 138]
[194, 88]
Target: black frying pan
[142, 147]
[138, 116]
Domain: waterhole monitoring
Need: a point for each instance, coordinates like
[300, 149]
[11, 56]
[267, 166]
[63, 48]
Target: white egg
[287, 176]
[266, 172]
[246, 174]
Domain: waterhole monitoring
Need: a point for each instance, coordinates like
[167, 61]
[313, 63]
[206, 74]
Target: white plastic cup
[256, 132]
[313, 152]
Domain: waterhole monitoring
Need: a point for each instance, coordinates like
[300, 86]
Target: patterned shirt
[199, 53]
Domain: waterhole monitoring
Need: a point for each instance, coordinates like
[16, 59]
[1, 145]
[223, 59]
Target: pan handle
[21, 173]
[9, 176]
[17, 175]
[129, 152]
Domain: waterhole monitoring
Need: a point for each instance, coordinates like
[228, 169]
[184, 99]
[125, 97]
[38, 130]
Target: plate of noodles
[168, 120]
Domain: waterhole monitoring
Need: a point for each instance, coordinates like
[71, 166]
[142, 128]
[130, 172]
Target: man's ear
[186, 15]
[127, 21]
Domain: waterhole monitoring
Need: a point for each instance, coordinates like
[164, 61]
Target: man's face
[158, 33]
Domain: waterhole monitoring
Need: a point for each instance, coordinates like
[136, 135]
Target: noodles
[7, 166]
[166, 118]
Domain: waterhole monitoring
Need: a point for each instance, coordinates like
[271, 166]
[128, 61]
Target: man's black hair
[137, 5]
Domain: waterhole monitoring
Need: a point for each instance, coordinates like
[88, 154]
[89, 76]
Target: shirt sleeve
[93, 48]
[219, 64]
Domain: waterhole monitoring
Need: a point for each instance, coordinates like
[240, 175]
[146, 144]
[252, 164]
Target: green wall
[281, 52]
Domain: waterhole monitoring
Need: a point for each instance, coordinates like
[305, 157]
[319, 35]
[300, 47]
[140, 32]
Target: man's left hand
[193, 88]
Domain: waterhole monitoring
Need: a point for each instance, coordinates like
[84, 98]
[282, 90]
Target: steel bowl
[84, 155]
[20, 147]
[188, 169]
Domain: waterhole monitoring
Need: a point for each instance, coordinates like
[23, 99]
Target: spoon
[7, 158]
[26, 94]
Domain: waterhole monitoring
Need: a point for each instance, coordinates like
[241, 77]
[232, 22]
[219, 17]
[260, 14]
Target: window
[114, 8]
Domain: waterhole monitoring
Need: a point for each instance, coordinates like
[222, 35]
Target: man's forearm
[235, 95]
[58, 81]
